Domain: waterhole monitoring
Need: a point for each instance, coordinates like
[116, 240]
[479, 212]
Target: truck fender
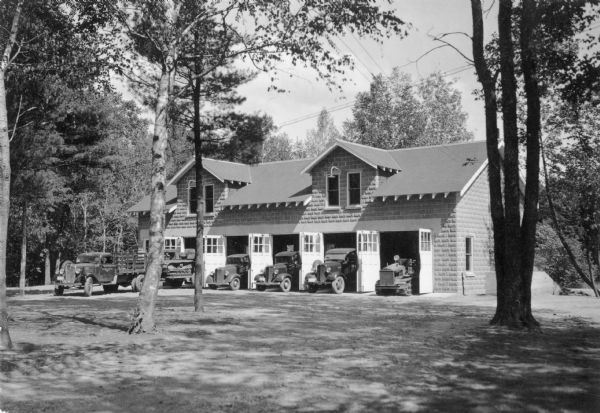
[282, 276]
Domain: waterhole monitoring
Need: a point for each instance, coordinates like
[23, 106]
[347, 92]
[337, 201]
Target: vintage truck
[178, 266]
[283, 273]
[396, 278]
[233, 275]
[337, 272]
[105, 269]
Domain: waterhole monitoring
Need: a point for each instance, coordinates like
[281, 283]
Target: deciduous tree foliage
[399, 113]
[320, 138]
[266, 31]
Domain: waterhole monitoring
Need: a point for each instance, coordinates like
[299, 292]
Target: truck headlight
[226, 273]
[260, 279]
[328, 269]
[77, 270]
[311, 278]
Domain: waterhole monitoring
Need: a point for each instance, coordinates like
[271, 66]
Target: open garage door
[214, 253]
[367, 247]
[311, 249]
[261, 247]
[426, 262]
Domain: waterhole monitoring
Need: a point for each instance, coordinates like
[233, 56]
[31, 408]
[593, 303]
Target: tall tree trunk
[199, 258]
[23, 269]
[143, 317]
[532, 184]
[47, 267]
[494, 161]
[57, 263]
[5, 341]
[509, 294]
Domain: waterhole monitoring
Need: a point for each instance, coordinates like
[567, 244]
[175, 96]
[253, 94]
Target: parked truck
[101, 268]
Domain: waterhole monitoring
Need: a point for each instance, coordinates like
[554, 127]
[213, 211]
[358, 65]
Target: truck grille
[321, 273]
[269, 271]
[219, 275]
[386, 278]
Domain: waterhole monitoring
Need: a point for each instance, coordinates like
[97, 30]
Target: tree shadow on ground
[263, 353]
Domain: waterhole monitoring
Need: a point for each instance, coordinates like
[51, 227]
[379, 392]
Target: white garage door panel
[311, 249]
[368, 258]
[261, 255]
[426, 258]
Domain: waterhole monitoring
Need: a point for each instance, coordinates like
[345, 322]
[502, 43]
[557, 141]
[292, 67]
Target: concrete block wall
[473, 219]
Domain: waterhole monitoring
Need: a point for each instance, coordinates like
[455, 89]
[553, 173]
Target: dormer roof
[222, 170]
[375, 157]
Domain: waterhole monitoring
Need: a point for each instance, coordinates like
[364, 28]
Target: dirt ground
[273, 352]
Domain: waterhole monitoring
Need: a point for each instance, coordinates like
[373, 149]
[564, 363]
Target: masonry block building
[429, 203]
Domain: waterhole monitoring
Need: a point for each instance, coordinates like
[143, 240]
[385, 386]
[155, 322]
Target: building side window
[192, 201]
[354, 188]
[333, 191]
[312, 243]
[469, 253]
[425, 241]
[209, 203]
[261, 244]
[213, 245]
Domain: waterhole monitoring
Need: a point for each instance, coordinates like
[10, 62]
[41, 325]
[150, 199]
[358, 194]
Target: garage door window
[311, 243]
[368, 242]
[261, 244]
[213, 245]
[425, 241]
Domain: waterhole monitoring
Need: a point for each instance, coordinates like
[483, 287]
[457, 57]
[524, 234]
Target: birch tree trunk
[23, 268]
[5, 341]
[143, 317]
[47, 267]
[199, 258]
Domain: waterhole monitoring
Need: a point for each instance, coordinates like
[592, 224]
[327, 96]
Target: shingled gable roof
[222, 170]
[440, 169]
[170, 201]
[273, 183]
[375, 157]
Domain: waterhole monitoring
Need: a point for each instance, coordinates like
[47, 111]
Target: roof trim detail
[473, 178]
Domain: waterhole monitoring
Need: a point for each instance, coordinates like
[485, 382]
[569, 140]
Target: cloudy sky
[296, 110]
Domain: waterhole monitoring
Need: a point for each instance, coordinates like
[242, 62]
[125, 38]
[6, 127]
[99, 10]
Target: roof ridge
[363, 145]
[437, 146]
[282, 161]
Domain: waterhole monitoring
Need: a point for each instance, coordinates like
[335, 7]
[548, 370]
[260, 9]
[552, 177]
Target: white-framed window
[170, 244]
[368, 242]
[312, 243]
[213, 245]
[192, 201]
[333, 190]
[425, 241]
[261, 244]
[353, 188]
[469, 253]
[209, 199]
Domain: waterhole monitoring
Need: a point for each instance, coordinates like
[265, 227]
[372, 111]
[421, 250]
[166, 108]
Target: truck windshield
[235, 260]
[87, 258]
[283, 260]
[335, 257]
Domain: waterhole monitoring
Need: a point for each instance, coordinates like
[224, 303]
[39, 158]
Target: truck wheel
[286, 285]
[338, 285]
[174, 283]
[312, 289]
[88, 286]
[59, 291]
[235, 284]
[261, 288]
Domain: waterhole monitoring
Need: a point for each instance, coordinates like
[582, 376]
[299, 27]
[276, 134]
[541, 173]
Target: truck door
[107, 270]
[368, 260]
[426, 262]
[214, 253]
[311, 249]
[261, 247]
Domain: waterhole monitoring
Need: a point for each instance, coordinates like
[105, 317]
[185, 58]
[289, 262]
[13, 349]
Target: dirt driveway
[264, 352]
